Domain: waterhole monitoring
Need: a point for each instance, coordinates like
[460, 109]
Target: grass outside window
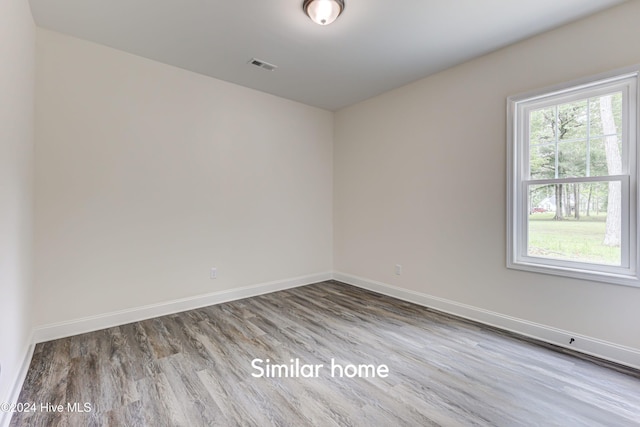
[570, 239]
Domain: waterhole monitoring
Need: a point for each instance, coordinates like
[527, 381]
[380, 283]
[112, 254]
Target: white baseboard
[18, 380]
[602, 349]
[107, 320]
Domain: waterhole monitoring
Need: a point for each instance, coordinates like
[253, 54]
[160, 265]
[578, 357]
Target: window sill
[597, 276]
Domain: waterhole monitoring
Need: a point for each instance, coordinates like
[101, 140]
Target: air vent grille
[262, 64]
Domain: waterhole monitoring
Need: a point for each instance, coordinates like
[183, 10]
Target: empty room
[319, 213]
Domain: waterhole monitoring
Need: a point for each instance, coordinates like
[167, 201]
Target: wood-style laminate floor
[195, 369]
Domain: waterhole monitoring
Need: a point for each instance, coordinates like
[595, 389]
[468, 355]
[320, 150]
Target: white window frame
[518, 180]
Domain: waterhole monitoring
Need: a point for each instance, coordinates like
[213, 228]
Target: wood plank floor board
[155, 410]
[194, 369]
[231, 409]
[137, 349]
[198, 406]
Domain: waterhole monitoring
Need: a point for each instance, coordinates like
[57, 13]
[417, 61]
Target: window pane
[573, 120]
[572, 159]
[609, 108]
[576, 222]
[542, 126]
[542, 161]
[597, 158]
[605, 156]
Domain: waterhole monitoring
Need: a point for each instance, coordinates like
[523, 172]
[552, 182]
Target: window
[573, 180]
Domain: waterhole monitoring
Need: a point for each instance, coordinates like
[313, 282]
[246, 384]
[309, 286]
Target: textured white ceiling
[374, 46]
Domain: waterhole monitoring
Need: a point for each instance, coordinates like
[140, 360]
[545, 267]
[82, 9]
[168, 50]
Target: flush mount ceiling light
[323, 12]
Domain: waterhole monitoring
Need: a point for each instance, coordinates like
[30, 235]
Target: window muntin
[572, 181]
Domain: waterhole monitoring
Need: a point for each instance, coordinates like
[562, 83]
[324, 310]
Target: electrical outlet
[213, 274]
[398, 269]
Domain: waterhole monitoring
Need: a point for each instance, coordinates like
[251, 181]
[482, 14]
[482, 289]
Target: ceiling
[374, 46]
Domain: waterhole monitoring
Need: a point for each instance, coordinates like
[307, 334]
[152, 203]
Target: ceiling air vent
[262, 64]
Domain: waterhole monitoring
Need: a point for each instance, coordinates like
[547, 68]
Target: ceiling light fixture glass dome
[323, 12]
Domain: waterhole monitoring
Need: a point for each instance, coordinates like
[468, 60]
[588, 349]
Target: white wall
[420, 180]
[148, 175]
[17, 68]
